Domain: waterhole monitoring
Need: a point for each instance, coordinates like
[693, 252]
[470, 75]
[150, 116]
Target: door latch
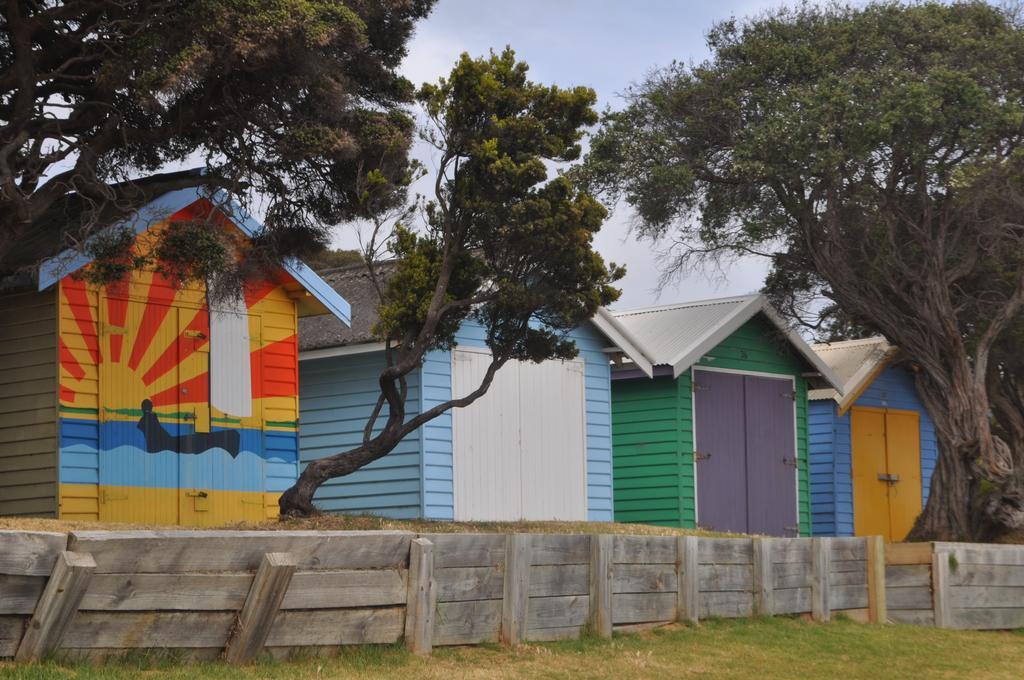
[885, 477]
[197, 494]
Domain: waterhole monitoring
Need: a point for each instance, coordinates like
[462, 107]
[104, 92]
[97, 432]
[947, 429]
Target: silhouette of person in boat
[158, 439]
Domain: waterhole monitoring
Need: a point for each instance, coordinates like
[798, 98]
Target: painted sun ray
[117, 313]
[159, 299]
[195, 336]
[195, 390]
[266, 387]
[77, 297]
[68, 361]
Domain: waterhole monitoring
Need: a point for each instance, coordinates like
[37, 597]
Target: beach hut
[717, 437]
[144, 401]
[537, 446]
[872, 447]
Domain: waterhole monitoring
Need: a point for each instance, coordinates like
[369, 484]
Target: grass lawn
[758, 648]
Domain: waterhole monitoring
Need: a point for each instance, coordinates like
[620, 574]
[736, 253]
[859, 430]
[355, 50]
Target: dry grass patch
[326, 522]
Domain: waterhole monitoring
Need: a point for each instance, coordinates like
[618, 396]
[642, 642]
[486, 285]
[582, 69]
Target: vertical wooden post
[57, 605]
[878, 611]
[821, 559]
[421, 598]
[514, 609]
[687, 579]
[764, 578]
[261, 606]
[601, 585]
[940, 589]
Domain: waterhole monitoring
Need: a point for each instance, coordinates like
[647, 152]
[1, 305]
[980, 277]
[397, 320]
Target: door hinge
[197, 494]
[791, 395]
[698, 387]
[789, 461]
[792, 529]
[701, 455]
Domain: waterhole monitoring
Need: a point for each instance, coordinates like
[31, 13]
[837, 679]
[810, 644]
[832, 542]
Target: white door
[520, 450]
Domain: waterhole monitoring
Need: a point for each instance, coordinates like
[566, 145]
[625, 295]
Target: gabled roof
[678, 335]
[53, 269]
[856, 363]
[323, 336]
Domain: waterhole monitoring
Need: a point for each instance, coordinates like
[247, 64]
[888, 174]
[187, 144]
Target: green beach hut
[715, 435]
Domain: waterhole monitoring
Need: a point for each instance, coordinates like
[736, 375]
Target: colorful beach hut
[537, 446]
[872, 447]
[144, 401]
[718, 437]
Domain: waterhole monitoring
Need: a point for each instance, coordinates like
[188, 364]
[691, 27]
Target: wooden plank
[554, 634]
[791, 550]
[975, 597]
[847, 597]
[421, 601]
[601, 585]
[30, 553]
[848, 549]
[847, 566]
[560, 549]
[11, 630]
[644, 550]
[687, 579]
[57, 605]
[558, 612]
[763, 577]
[167, 592]
[915, 617]
[644, 578]
[458, 584]
[908, 553]
[346, 588]
[903, 575]
[821, 555]
[725, 551]
[124, 552]
[643, 607]
[517, 587]
[333, 627]
[554, 580]
[19, 594]
[792, 575]
[919, 597]
[877, 603]
[1009, 618]
[719, 577]
[134, 630]
[467, 550]
[984, 575]
[793, 600]
[467, 623]
[990, 555]
[261, 606]
[732, 604]
[940, 589]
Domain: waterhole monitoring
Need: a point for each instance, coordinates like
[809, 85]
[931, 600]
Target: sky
[606, 45]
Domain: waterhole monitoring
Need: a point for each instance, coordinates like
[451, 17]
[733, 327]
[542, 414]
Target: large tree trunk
[297, 501]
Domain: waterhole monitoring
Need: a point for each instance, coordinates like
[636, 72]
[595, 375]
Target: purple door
[745, 448]
[720, 451]
[771, 456]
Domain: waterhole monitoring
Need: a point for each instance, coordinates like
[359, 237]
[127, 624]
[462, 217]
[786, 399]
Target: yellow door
[886, 471]
[870, 494]
[903, 453]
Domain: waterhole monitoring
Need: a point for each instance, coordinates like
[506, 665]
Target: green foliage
[519, 247]
[191, 251]
[332, 259]
[114, 256]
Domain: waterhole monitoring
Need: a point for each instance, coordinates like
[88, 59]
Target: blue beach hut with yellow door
[872, 447]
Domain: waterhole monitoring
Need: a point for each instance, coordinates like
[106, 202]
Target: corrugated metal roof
[668, 332]
[677, 335]
[855, 363]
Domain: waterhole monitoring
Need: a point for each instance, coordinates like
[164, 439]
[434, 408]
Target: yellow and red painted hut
[149, 401]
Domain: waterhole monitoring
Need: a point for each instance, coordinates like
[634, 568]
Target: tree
[501, 244]
[875, 156]
[332, 259]
[294, 101]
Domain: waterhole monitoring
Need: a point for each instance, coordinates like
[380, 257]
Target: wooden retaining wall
[239, 594]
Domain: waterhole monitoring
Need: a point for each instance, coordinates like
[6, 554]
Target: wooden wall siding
[650, 453]
[831, 455]
[753, 347]
[338, 395]
[28, 404]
